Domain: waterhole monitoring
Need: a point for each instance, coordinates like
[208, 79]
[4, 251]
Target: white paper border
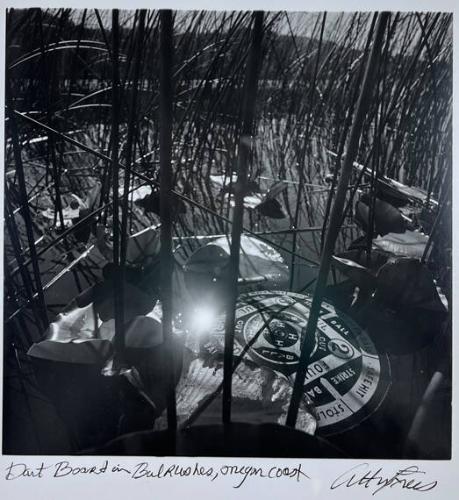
[321, 472]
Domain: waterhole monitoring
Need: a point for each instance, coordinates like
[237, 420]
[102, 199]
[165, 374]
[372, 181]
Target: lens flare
[203, 318]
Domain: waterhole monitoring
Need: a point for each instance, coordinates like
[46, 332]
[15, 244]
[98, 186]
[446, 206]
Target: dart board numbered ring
[346, 379]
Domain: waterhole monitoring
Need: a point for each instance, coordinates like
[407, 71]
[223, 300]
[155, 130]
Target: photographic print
[228, 233]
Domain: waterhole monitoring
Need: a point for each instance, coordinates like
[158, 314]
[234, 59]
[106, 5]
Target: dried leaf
[276, 189]
[93, 197]
[395, 192]
[360, 275]
[136, 302]
[408, 244]
[74, 337]
[138, 193]
[359, 254]
[151, 203]
[207, 268]
[400, 194]
[272, 208]
[387, 218]
[84, 334]
[143, 246]
[407, 283]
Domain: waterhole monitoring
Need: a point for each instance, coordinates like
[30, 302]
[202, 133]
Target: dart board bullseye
[347, 379]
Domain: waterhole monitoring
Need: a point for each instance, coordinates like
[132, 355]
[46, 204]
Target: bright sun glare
[203, 318]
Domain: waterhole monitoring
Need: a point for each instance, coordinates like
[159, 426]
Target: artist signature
[408, 478]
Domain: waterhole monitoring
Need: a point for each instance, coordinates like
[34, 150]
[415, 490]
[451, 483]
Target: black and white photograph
[228, 233]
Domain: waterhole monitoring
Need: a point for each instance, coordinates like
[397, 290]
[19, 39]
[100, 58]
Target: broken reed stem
[132, 131]
[118, 283]
[309, 332]
[166, 50]
[253, 66]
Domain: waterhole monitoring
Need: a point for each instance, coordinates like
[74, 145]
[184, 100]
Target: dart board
[346, 378]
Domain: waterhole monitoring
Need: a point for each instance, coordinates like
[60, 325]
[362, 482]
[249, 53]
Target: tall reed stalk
[335, 218]
[253, 65]
[167, 261]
